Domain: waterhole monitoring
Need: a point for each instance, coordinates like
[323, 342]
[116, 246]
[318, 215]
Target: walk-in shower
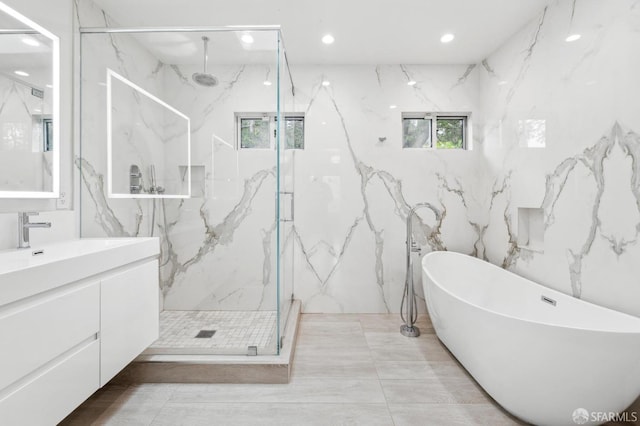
[161, 155]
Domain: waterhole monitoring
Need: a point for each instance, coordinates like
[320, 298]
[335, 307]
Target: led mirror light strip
[55, 108]
[110, 76]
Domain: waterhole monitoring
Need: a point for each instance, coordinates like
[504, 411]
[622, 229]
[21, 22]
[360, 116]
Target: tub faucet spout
[410, 316]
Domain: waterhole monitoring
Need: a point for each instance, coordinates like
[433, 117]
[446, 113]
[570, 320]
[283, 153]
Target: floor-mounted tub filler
[546, 357]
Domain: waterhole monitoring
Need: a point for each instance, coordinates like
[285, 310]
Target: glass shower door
[286, 190]
[196, 165]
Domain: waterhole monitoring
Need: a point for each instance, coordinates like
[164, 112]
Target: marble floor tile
[330, 352]
[433, 349]
[392, 323]
[392, 353]
[450, 415]
[269, 414]
[326, 364]
[346, 335]
[353, 369]
[330, 328]
[376, 338]
[299, 390]
[418, 370]
[435, 390]
[344, 343]
[121, 405]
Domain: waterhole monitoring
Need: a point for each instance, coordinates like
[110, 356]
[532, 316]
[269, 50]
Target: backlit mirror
[29, 108]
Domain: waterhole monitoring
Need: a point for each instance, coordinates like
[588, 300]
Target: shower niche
[148, 143]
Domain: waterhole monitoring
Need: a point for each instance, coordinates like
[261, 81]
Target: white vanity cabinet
[129, 317]
[49, 354]
[61, 340]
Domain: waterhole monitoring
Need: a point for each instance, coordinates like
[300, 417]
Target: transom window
[421, 130]
[259, 130]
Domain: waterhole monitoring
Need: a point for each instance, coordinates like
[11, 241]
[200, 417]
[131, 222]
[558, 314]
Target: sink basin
[25, 272]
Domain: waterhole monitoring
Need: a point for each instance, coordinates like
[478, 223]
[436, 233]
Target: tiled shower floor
[234, 332]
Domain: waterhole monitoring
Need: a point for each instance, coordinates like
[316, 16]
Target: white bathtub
[539, 361]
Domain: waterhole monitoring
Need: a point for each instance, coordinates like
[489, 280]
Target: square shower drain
[205, 334]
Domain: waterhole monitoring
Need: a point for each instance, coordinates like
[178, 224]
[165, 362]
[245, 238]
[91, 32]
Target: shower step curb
[217, 368]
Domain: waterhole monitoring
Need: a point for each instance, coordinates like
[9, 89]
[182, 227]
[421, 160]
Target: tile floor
[348, 370]
[235, 331]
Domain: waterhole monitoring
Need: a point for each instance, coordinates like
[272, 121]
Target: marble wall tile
[217, 248]
[585, 176]
[553, 127]
[355, 184]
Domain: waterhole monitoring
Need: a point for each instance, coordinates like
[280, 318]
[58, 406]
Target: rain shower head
[204, 78]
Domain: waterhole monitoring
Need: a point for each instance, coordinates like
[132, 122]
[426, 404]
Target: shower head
[204, 78]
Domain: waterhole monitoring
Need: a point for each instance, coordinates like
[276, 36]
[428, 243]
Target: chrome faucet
[24, 225]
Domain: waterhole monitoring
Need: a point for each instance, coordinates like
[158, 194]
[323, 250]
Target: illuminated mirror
[29, 108]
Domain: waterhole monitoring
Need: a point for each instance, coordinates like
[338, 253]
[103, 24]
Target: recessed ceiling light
[267, 83]
[50, 86]
[21, 73]
[393, 106]
[573, 37]
[247, 38]
[102, 84]
[328, 39]
[326, 83]
[411, 82]
[447, 38]
[502, 83]
[37, 110]
[31, 41]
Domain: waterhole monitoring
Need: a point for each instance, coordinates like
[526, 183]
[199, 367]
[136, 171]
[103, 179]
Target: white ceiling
[366, 31]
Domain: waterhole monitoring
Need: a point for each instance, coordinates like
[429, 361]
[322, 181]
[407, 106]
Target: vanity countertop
[24, 272]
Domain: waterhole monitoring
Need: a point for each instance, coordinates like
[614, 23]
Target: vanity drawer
[41, 328]
[56, 391]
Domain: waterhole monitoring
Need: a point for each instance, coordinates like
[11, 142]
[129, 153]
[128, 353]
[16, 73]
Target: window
[259, 130]
[47, 126]
[254, 133]
[416, 132]
[420, 130]
[294, 132]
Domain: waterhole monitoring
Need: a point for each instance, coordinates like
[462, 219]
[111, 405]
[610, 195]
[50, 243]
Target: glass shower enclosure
[182, 138]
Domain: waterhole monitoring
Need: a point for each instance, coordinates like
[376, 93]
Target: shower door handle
[291, 205]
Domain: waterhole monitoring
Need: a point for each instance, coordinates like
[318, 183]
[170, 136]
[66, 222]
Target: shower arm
[206, 52]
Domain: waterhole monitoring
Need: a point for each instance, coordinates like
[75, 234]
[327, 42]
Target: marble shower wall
[562, 133]
[101, 216]
[217, 248]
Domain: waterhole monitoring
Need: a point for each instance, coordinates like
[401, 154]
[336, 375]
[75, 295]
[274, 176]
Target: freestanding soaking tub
[546, 357]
